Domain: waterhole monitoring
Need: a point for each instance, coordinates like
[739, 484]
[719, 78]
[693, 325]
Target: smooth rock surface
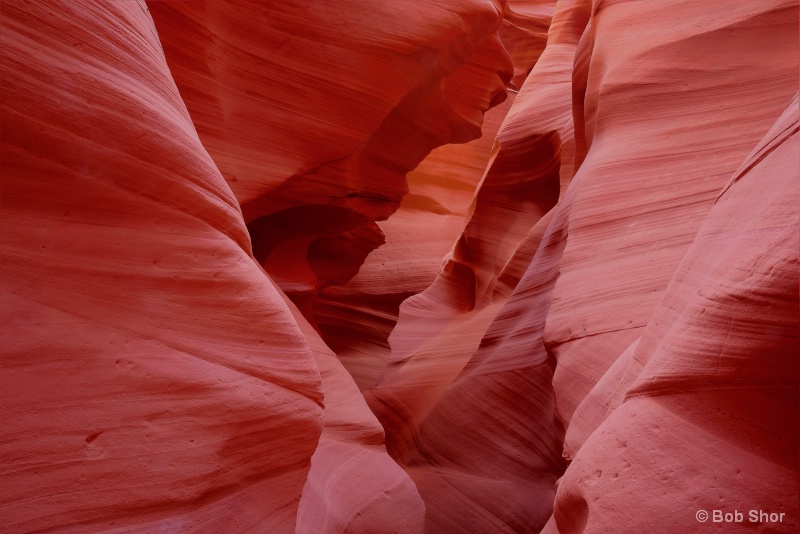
[466, 410]
[242, 289]
[710, 408]
[266, 84]
[357, 318]
[665, 79]
[152, 378]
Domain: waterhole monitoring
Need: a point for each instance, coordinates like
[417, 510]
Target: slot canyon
[400, 266]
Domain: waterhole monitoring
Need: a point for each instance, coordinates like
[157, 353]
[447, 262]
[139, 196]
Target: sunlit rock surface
[427, 266]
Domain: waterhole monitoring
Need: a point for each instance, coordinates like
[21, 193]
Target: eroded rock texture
[357, 318]
[704, 407]
[428, 266]
[315, 112]
[152, 377]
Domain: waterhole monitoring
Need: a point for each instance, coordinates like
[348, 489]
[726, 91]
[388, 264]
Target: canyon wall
[429, 266]
[152, 380]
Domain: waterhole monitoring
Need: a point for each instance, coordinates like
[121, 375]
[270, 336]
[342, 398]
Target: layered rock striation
[267, 267]
[315, 113]
[152, 377]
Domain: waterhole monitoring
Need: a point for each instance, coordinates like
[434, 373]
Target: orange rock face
[429, 266]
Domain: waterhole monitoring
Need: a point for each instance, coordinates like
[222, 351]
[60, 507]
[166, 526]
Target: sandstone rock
[583, 317]
[656, 119]
[710, 405]
[152, 379]
[266, 85]
[353, 486]
[357, 318]
[226, 294]
[454, 396]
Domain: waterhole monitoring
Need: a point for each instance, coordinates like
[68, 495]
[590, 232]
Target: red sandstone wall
[241, 294]
[152, 377]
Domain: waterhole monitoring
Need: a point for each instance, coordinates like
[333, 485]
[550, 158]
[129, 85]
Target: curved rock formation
[353, 485]
[152, 379]
[357, 318]
[595, 270]
[708, 404]
[265, 84]
[635, 212]
[191, 262]
[584, 321]
[458, 410]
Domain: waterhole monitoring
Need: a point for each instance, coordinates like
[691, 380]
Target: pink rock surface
[634, 212]
[710, 407]
[455, 399]
[353, 485]
[357, 318]
[241, 294]
[152, 379]
[595, 276]
[266, 84]
[190, 269]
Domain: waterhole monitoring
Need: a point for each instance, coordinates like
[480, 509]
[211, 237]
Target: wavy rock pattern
[357, 318]
[218, 392]
[152, 378]
[353, 485]
[687, 147]
[453, 406]
[265, 83]
[574, 312]
[701, 408]
[241, 294]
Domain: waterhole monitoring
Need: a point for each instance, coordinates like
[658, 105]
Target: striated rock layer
[474, 422]
[353, 485]
[179, 389]
[315, 112]
[152, 378]
[705, 407]
[241, 294]
[357, 318]
[634, 212]
[474, 369]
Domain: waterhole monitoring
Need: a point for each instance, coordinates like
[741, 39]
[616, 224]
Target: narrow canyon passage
[400, 266]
